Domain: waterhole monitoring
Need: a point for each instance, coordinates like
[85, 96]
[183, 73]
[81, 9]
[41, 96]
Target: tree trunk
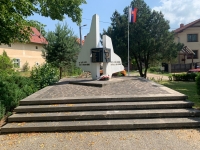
[146, 65]
[60, 72]
[139, 65]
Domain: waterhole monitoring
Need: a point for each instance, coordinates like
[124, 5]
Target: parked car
[194, 70]
[123, 72]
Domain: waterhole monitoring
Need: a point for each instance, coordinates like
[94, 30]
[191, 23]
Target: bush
[170, 78]
[6, 64]
[13, 88]
[71, 70]
[154, 69]
[2, 110]
[184, 77]
[25, 67]
[44, 75]
[198, 83]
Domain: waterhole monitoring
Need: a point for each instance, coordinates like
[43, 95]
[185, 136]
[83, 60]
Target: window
[36, 47]
[16, 63]
[195, 56]
[192, 37]
[9, 45]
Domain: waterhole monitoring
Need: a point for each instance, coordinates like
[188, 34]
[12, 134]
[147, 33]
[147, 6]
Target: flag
[132, 14]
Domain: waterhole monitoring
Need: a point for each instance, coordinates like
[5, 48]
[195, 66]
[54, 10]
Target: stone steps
[104, 106]
[90, 125]
[100, 115]
[101, 99]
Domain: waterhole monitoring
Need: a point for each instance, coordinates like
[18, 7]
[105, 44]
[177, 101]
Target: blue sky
[176, 11]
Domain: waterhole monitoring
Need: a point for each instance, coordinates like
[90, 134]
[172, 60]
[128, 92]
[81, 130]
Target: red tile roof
[36, 37]
[83, 41]
[186, 26]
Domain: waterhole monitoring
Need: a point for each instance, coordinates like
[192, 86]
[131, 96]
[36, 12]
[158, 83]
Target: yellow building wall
[24, 52]
[182, 38]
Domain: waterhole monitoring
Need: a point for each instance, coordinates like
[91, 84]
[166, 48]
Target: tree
[150, 38]
[39, 26]
[13, 14]
[62, 48]
[5, 63]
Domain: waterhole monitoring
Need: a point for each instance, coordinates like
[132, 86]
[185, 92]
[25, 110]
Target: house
[189, 55]
[26, 52]
[189, 35]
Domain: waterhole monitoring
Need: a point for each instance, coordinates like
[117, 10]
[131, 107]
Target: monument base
[95, 83]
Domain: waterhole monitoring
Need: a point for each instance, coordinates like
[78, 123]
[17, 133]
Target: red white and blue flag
[132, 14]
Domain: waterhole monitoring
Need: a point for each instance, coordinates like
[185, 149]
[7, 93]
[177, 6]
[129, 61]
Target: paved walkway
[185, 139]
[111, 140]
[128, 86]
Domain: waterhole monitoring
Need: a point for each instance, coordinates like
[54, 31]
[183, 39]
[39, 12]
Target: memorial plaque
[107, 55]
[97, 55]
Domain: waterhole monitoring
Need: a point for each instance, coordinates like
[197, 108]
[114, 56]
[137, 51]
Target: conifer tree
[62, 48]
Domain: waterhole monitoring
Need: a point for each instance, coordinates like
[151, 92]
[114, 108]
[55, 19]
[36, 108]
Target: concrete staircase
[102, 113]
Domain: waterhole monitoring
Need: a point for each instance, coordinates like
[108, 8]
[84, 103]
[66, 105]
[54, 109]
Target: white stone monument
[91, 55]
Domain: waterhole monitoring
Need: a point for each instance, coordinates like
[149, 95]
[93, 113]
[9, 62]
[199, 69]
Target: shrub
[13, 88]
[198, 83]
[5, 63]
[154, 69]
[119, 74]
[71, 70]
[2, 110]
[170, 78]
[184, 77]
[44, 75]
[25, 67]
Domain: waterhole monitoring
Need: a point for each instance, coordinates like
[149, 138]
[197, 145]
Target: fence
[183, 67]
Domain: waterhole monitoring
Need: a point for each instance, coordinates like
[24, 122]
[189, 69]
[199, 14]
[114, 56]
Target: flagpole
[128, 42]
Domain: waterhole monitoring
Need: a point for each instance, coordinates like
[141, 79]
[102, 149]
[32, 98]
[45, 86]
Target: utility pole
[81, 35]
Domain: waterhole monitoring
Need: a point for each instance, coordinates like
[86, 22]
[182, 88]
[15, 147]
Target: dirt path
[155, 76]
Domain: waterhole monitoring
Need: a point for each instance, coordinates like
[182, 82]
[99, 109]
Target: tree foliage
[62, 48]
[39, 26]
[150, 38]
[5, 63]
[13, 14]
[44, 75]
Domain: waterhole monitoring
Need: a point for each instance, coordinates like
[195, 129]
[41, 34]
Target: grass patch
[161, 73]
[187, 88]
[25, 74]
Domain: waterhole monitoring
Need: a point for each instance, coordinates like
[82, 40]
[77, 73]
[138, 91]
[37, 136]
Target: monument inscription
[97, 55]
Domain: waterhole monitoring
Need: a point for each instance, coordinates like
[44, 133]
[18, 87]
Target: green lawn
[187, 88]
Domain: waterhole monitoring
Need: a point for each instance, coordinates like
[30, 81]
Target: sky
[176, 11]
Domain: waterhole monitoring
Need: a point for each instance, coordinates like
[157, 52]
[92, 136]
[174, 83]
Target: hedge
[184, 77]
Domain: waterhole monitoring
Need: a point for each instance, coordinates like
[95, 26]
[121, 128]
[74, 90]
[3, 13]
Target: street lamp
[80, 34]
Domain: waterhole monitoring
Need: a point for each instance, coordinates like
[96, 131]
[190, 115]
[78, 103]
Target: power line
[110, 22]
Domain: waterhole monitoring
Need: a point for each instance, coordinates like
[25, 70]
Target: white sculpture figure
[91, 56]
